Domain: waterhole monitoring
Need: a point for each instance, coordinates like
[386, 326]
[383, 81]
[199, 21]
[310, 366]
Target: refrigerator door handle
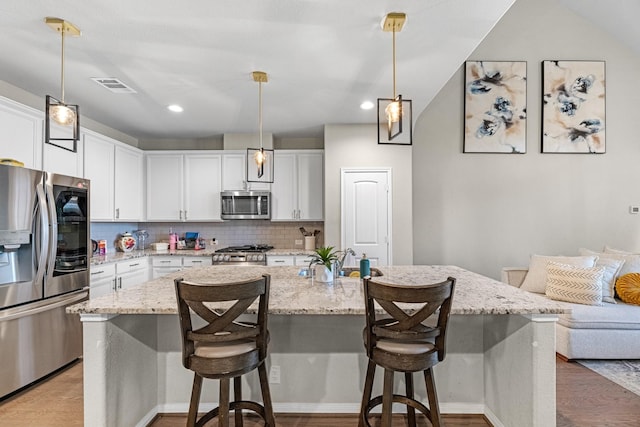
[45, 305]
[53, 227]
[44, 234]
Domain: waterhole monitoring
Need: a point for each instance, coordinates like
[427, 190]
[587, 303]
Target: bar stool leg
[224, 402]
[195, 400]
[366, 393]
[237, 396]
[411, 412]
[387, 398]
[436, 421]
[266, 395]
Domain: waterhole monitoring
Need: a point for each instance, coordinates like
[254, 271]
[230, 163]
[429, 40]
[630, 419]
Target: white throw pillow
[611, 269]
[536, 278]
[631, 261]
[610, 250]
[570, 283]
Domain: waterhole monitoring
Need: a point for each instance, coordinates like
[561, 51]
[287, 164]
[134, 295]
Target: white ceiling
[323, 58]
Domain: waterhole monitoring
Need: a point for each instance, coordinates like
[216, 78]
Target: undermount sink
[304, 272]
[374, 271]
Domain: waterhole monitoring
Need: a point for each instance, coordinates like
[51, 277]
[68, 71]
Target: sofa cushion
[612, 268]
[606, 316]
[631, 261]
[536, 280]
[582, 285]
[628, 288]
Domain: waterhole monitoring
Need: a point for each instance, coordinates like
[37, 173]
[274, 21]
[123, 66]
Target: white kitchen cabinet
[111, 277]
[298, 186]
[162, 265]
[183, 187]
[115, 172]
[65, 162]
[131, 273]
[234, 172]
[280, 260]
[196, 261]
[22, 133]
[102, 280]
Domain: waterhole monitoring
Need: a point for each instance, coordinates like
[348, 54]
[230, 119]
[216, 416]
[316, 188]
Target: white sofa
[609, 331]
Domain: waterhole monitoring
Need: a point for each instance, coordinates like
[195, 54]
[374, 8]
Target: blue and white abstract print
[573, 107]
[495, 107]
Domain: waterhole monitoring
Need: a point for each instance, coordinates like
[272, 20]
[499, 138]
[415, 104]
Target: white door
[366, 219]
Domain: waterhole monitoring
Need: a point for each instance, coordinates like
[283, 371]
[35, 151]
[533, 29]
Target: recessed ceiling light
[175, 108]
[367, 105]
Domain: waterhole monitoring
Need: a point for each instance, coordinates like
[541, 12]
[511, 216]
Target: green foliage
[325, 255]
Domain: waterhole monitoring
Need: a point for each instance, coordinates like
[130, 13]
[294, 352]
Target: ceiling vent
[113, 84]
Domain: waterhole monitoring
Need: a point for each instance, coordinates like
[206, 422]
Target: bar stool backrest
[405, 321]
[222, 326]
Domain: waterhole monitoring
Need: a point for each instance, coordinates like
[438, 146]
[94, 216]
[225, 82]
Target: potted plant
[326, 257]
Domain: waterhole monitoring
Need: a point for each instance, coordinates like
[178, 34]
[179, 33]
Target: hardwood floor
[584, 399]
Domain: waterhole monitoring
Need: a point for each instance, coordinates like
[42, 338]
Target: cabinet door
[233, 172]
[21, 137]
[98, 167]
[132, 279]
[128, 184]
[203, 176]
[284, 188]
[102, 287]
[65, 162]
[164, 187]
[310, 181]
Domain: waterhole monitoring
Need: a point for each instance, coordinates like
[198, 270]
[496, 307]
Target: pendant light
[259, 161]
[394, 114]
[65, 117]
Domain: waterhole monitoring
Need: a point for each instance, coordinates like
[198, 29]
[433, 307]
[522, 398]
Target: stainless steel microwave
[245, 205]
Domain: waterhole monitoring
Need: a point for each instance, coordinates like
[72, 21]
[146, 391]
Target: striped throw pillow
[570, 283]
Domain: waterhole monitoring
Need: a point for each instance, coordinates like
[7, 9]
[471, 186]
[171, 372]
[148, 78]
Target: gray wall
[486, 211]
[355, 146]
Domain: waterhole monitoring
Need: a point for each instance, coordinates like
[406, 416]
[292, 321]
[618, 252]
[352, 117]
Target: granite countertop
[293, 294]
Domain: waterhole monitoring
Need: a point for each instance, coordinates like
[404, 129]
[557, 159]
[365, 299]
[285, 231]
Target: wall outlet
[299, 242]
[274, 374]
[634, 209]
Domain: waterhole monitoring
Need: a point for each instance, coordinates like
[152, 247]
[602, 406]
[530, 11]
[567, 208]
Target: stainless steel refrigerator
[44, 267]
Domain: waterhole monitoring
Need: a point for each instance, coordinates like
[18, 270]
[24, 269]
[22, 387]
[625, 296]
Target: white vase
[323, 274]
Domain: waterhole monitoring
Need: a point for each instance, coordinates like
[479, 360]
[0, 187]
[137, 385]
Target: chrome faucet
[340, 262]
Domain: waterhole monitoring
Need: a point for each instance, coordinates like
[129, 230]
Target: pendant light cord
[260, 112]
[62, 30]
[394, 63]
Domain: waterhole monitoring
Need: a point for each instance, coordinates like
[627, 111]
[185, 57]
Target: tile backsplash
[281, 235]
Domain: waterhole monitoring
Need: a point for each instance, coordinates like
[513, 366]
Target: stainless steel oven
[242, 255]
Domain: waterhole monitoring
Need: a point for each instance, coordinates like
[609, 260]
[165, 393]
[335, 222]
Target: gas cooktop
[245, 248]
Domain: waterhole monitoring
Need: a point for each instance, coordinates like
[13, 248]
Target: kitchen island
[500, 359]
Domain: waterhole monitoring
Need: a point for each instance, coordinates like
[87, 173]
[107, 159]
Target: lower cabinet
[109, 278]
[162, 265]
[302, 260]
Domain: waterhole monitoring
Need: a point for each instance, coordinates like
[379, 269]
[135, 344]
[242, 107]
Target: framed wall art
[573, 107]
[495, 107]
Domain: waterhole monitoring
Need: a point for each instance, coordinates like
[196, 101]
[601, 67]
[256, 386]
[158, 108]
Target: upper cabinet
[115, 172]
[298, 186]
[183, 187]
[234, 172]
[22, 133]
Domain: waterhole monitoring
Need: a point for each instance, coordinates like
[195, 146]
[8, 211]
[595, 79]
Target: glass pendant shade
[62, 115]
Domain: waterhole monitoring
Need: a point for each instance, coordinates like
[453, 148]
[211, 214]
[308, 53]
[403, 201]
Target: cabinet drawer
[280, 260]
[196, 261]
[303, 260]
[101, 271]
[131, 265]
[166, 261]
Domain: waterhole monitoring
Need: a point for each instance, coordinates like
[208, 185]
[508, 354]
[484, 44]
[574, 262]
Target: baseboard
[492, 418]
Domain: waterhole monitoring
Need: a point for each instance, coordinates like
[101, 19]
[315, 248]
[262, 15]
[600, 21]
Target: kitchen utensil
[303, 231]
[316, 232]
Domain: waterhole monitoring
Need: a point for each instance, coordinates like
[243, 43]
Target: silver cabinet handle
[185, 215]
[195, 262]
[115, 284]
[180, 214]
[165, 262]
[134, 265]
[97, 272]
[293, 214]
[117, 213]
[119, 282]
[278, 261]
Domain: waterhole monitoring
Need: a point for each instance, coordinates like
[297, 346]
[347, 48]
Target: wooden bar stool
[401, 340]
[225, 347]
